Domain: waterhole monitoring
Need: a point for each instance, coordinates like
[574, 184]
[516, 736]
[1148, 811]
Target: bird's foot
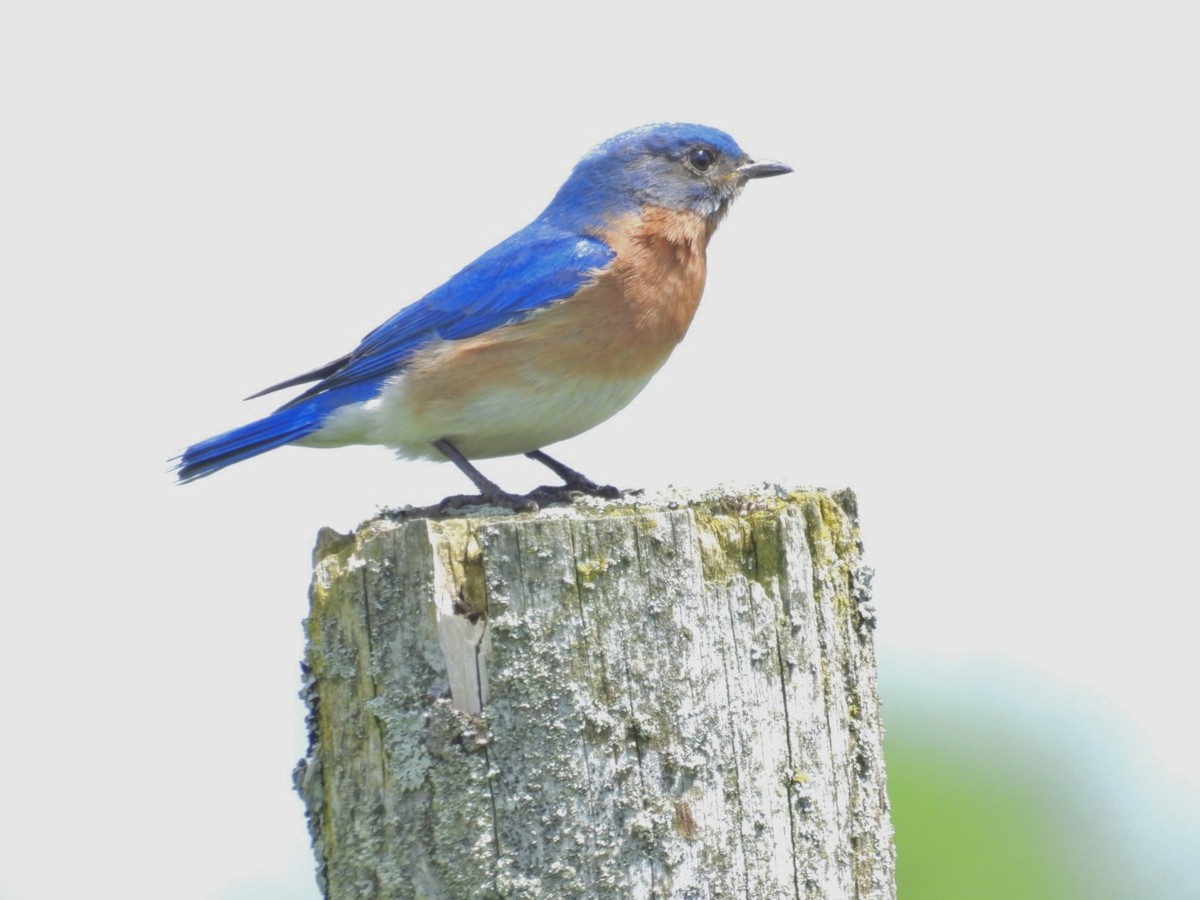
[575, 482]
[569, 493]
[553, 493]
[490, 494]
[524, 503]
[583, 485]
[536, 499]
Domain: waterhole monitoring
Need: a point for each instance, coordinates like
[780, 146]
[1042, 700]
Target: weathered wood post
[668, 698]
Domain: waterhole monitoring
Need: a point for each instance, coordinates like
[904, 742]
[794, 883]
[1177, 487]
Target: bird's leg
[489, 491]
[575, 481]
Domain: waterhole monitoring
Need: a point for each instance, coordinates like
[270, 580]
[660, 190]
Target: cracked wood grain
[667, 699]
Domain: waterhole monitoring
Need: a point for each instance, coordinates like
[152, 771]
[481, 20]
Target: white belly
[496, 420]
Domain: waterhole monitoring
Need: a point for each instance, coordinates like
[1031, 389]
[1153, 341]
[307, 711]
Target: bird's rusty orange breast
[651, 291]
[621, 326]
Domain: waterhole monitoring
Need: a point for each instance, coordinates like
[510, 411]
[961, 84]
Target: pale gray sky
[971, 303]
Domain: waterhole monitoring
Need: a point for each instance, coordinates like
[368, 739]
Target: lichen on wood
[672, 697]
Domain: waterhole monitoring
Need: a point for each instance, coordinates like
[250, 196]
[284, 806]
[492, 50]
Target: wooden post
[667, 698]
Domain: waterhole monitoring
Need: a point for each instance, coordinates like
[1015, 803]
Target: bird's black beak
[763, 168]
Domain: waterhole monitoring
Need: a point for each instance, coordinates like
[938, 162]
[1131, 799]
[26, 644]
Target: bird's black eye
[701, 158]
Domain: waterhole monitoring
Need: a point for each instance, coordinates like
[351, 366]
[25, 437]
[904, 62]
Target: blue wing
[531, 269]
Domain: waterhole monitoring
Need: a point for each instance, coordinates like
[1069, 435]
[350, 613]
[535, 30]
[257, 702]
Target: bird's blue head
[680, 167]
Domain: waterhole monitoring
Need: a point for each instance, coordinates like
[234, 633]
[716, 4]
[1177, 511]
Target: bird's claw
[582, 485]
[536, 499]
[502, 499]
[569, 493]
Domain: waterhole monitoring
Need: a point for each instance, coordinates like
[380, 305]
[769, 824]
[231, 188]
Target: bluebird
[541, 338]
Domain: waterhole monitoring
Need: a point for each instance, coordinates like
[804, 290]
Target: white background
[973, 303]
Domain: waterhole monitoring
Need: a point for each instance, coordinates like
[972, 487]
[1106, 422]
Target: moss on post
[667, 698]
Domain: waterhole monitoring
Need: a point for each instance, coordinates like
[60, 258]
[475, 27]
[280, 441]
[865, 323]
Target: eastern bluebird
[542, 337]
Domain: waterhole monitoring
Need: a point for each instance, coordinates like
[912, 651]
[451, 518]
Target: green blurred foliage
[1006, 784]
[965, 830]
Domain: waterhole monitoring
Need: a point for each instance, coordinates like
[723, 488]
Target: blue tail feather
[286, 425]
[233, 446]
